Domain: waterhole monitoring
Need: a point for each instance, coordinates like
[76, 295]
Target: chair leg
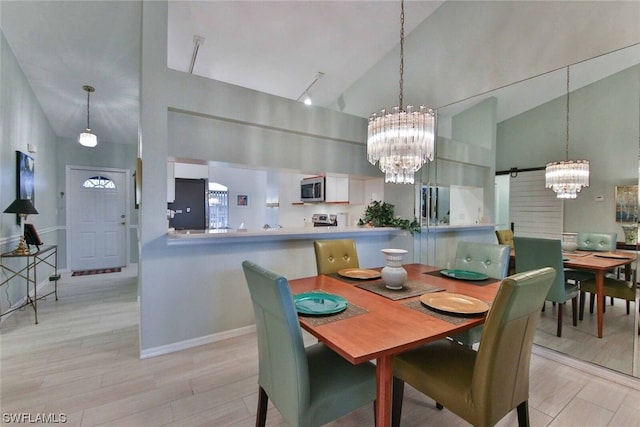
[396, 402]
[582, 297]
[628, 307]
[560, 311]
[375, 411]
[523, 414]
[574, 310]
[439, 406]
[592, 299]
[263, 400]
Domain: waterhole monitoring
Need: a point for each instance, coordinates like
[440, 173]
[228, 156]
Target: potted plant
[380, 214]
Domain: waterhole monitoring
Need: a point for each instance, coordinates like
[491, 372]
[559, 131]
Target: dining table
[379, 323]
[599, 263]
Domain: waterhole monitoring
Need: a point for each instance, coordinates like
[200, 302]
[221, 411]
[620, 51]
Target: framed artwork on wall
[24, 178]
[627, 203]
[243, 200]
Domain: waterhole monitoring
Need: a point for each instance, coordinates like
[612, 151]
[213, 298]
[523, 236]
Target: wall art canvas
[627, 203]
[25, 176]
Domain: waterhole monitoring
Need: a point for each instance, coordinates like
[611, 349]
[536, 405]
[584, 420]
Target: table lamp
[22, 207]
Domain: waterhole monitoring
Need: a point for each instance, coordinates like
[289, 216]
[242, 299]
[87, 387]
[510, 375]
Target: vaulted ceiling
[278, 47]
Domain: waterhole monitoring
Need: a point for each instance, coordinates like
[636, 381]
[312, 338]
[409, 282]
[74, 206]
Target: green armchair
[309, 386]
[482, 387]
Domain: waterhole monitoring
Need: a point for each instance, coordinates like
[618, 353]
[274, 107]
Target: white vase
[393, 274]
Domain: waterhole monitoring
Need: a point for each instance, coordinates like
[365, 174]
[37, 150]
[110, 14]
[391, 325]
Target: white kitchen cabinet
[336, 189]
[356, 192]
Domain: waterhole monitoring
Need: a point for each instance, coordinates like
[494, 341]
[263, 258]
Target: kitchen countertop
[272, 234]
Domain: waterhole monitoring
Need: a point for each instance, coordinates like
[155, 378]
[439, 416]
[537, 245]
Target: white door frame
[98, 170]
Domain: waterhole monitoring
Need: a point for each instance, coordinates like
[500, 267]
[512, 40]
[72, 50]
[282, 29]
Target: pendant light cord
[88, 94]
[401, 50]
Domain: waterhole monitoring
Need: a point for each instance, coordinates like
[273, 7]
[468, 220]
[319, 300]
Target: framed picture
[627, 203]
[243, 200]
[24, 177]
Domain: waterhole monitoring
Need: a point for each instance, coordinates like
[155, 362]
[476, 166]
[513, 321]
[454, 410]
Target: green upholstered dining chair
[487, 258]
[482, 387]
[505, 237]
[533, 253]
[334, 255]
[613, 287]
[590, 241]
[309, 386]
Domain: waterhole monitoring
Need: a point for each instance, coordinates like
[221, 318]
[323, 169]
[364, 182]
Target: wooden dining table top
[388, 327]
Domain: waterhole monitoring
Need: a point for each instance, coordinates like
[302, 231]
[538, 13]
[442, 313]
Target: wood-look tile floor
[82, 361]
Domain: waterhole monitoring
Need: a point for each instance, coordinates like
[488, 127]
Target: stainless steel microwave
[312, 189]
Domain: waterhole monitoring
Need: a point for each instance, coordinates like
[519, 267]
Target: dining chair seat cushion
[588, 241]
[337, 386]
[334, 255]
[578, 276]
[616, 288]
[482, 386]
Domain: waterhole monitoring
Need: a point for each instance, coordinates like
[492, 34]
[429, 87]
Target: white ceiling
[278, 47]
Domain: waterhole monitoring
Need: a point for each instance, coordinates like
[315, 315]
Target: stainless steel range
[324, 220]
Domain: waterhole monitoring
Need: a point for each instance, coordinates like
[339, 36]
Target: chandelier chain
[401, 50]
[567, 130]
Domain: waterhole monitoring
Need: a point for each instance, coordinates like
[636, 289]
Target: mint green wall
[23, 122]
[604, 125]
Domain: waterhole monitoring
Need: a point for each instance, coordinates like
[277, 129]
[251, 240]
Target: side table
[47, 255]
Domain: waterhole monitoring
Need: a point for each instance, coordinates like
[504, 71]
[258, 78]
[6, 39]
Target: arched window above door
[98, 181]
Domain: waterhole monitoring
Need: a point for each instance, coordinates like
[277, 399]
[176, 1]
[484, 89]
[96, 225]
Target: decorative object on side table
[630, 234]
[22, 207]
[393, 274]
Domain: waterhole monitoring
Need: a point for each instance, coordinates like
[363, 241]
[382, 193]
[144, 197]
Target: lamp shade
[21, 206]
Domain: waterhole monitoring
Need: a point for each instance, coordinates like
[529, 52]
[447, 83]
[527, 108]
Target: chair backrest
[487, 258]
[588, 241]
[501, 372]
[334, 255]
[505, 237]
[533, 253]
[283, 371]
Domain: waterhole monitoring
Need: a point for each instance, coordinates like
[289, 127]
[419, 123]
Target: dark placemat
[484, 282]
[411, 288]
[451, 318]
[351, 311]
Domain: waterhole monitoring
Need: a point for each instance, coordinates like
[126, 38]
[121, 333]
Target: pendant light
[88, 138]
[401, 140]
[567, 177]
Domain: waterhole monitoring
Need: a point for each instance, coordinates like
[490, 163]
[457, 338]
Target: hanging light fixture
[88, 138]
[567, 177]
[401, 140]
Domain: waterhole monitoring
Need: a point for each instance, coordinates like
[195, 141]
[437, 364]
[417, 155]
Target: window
[218, 205]
[99, 182]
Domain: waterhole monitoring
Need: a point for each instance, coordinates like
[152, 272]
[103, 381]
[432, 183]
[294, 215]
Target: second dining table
[599, 263]
[377, 325]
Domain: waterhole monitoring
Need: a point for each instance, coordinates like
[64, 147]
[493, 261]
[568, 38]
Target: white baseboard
[183, 345]
[589, 368]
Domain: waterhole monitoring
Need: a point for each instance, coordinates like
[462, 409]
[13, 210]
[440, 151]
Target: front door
[97, 218]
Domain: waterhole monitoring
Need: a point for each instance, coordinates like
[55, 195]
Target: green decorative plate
[319, 303]
[464, 274]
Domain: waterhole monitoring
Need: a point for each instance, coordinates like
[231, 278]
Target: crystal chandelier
[87, 138]
[401, 140]
[567, 177]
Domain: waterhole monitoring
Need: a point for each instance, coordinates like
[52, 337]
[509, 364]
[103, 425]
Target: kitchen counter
[177, 237]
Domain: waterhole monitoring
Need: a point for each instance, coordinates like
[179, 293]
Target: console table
[45, 254]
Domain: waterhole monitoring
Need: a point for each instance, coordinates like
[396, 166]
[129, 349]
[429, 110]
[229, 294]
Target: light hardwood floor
[82, 361]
